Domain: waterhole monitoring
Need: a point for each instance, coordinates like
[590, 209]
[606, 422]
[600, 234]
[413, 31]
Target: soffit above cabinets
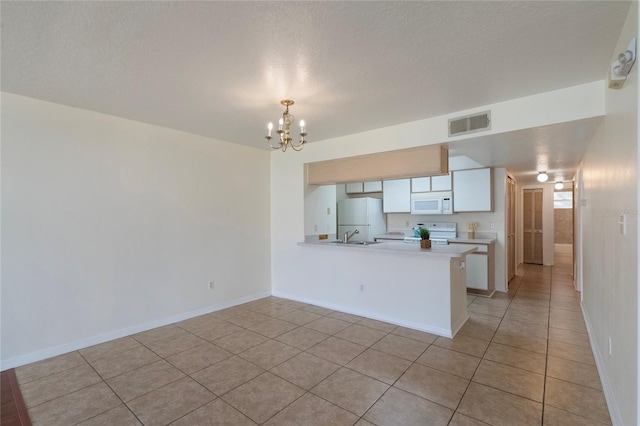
[429, 160]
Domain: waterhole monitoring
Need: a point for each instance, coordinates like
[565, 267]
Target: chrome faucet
[347, 236]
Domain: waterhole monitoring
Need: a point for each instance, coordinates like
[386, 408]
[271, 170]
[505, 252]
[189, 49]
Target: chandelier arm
[268, 138]
[297, 147]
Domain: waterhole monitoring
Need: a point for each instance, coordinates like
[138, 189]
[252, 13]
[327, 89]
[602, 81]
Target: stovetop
[439, 232]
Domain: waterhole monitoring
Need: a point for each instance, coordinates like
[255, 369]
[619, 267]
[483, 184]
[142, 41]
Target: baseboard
[95, 340]
[563, 248]
[458, 324]
[371, 315]
[614, 410]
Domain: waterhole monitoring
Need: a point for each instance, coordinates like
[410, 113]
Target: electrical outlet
[328, 210]
[211, 285]
[362, 288]
[315, 228]
[493, 225]
[407, 224]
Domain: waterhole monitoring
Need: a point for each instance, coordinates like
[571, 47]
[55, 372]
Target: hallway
[522, 359]
[540, 331]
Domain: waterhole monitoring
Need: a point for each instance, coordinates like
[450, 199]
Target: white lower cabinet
[480, 268]
[477, 271]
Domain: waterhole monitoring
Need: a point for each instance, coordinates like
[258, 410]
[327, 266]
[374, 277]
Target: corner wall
[609, 188]
[110, 226]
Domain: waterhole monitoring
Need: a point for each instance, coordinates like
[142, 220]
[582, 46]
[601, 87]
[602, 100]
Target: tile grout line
[546, 358]
[345, 366]
[112, 390]
[481, 359]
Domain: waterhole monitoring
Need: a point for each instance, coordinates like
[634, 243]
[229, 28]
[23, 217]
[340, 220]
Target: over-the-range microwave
[432, 203]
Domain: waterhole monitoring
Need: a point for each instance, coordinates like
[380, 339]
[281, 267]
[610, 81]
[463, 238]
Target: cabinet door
[441, 183]
[373, 186]
[396, 196]
[473, 190]
[477, 271]
[421, 184]
[354, 188]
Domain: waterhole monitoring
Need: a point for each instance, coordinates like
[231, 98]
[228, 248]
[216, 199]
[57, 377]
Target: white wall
[110, 226]
[610, 269]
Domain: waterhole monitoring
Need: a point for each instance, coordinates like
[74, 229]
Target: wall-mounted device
[621, 67]
[432, 203]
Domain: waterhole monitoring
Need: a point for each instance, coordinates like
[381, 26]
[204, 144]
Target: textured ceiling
[219, 69]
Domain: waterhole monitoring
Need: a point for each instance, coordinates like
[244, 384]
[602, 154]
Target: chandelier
[284, 130]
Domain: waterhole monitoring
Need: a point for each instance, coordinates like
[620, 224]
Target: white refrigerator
[363, 214]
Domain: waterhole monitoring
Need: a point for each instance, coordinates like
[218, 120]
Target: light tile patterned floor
[522, 358]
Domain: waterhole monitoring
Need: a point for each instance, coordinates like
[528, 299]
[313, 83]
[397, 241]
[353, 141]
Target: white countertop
[473, 240]
[391, 237]
[436, 250]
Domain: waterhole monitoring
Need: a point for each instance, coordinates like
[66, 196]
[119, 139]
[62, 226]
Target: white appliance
[363, 214]
[439, 232]
[432, 203]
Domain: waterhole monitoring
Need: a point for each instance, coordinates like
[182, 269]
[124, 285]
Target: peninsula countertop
[392, 247]
[472, 240]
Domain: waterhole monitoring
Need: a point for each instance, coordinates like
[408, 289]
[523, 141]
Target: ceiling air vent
[470, 123]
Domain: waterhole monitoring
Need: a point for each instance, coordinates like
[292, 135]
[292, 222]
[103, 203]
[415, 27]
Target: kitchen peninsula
[390, 281]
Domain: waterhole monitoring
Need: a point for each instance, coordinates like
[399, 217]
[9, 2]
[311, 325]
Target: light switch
[623, 224]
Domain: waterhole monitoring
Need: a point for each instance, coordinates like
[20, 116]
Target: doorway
[532, 225]
[563, 226]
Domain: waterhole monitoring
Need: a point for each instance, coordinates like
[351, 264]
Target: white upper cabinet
[441, 183]
[354, 188]
[360, 187]
[421, 184]
[473, 190]
[396, 196]
[373, 186]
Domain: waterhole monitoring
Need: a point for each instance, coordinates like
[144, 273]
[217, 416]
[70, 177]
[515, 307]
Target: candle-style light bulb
[269, 127]
[301, 126]
[280, 123]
